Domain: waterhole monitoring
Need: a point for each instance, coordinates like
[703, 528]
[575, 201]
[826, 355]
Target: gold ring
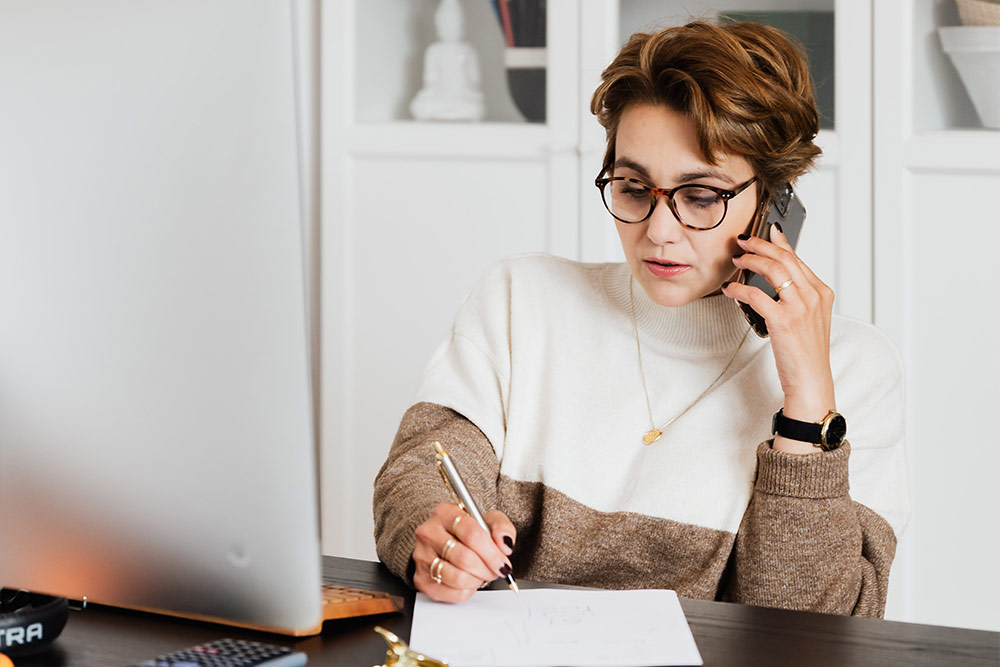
[454, 524]
[448, 546]
[787, 283]
[436, 564]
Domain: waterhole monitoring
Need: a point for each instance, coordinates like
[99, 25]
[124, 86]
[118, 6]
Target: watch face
[836, 430]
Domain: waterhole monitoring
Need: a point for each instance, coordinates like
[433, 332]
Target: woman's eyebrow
[685, 177]
[633, 165]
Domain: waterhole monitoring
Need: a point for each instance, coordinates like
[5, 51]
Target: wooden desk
[726, 634]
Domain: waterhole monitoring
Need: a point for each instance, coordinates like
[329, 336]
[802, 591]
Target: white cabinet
[937, 229]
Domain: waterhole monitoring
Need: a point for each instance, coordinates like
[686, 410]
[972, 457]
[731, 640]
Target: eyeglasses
[695, 206]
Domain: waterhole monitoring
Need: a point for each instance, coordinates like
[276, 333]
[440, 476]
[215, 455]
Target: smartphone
[785, 208]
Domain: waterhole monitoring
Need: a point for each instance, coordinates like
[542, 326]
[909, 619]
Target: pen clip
[439, 459]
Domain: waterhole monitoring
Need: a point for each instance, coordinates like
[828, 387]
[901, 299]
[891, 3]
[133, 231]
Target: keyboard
[344, 602]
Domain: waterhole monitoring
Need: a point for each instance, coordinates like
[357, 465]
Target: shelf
[953, 150]
[456, 140]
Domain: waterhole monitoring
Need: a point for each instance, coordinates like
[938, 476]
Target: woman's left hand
[798, 324]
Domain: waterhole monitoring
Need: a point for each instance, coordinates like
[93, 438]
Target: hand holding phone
[800, 320]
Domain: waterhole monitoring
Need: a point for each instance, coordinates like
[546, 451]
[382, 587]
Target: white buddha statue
[451, 72]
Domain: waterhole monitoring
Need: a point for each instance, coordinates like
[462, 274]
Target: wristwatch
[827, 434]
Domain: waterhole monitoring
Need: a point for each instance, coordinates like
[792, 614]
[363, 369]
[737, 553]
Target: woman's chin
[670, 295]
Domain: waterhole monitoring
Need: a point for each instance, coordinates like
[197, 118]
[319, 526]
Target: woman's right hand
[468, 555]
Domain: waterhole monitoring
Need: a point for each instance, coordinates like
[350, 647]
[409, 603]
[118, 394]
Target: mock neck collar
[707, 326]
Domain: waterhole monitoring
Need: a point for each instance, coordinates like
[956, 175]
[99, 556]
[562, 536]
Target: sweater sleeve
[804, 544]
[409, 487]
[820, 530]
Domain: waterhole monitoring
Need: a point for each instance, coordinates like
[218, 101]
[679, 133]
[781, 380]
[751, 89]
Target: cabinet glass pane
[391, 42]
[811, 22]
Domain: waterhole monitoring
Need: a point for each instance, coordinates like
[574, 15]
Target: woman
[557, 373]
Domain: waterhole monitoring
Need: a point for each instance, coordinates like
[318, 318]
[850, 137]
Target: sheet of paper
[549, 627]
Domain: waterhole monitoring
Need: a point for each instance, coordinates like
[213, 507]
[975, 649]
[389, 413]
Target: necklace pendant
[652, 435]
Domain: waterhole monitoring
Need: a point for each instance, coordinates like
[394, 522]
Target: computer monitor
[156, 421]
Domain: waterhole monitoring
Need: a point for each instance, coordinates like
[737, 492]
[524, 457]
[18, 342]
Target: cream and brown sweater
[536, 393]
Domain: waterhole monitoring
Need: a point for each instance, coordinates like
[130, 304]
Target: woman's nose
[662, 227]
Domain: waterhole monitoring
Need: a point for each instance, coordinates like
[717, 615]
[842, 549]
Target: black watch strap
[827, 434]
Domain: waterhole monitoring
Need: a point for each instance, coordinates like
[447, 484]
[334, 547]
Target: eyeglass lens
[695, 206]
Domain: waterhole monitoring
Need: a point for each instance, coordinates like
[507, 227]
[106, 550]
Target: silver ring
[454, 524]
[787, 283]
[436, 564]
[448, 546]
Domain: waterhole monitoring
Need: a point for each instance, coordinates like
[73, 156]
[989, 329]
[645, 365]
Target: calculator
[229, 653]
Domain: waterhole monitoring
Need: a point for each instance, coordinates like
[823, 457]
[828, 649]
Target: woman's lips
[665, 270]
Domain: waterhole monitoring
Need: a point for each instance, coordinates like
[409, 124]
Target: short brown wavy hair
[745, 85]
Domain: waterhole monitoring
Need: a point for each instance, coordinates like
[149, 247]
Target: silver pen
[454, 481]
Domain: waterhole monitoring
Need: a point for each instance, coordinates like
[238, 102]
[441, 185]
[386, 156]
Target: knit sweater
[537, 395]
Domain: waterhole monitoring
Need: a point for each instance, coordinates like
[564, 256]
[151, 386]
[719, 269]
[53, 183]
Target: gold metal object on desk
[401, 655]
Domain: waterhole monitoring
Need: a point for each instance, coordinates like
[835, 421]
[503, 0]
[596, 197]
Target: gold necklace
[654, 433]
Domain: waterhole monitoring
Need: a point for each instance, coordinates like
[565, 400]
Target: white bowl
[975, 52]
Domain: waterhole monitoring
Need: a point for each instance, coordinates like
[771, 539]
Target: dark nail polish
[727, 284]
[743, 237]
[509, 542]
[738, 255]
[505, 570]
[778, 225]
